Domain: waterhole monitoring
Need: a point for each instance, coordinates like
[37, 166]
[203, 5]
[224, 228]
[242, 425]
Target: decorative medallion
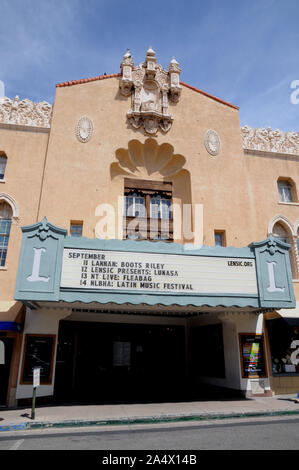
[150, 86]
[84, 129]
[212, 142]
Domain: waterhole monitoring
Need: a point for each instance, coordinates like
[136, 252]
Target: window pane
[5, 210]
[280, 232]
[219, 239]
[129, 208]
[166, 209]
[3, 161]
[76, 230]
[155, 208]
[5, 225]
[135, 206]
[280, 192]
[161, 208]
[288, 194]
[139, 207]
[3, 252]
[4, 241]
[285, 191]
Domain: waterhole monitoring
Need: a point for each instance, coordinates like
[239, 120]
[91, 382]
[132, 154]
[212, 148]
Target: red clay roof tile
[114, 75]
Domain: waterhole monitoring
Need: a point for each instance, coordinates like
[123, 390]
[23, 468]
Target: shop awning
[11, 315]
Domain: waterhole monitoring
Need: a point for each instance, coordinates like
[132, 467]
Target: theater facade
[148, 244]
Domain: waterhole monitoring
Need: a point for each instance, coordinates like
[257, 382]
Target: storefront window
[282, 334]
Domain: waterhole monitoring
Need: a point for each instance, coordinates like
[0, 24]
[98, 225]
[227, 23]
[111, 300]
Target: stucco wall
[25, 153]
[82, 171]
[65, 180]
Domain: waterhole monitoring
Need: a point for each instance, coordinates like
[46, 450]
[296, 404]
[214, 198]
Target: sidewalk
[149, 413]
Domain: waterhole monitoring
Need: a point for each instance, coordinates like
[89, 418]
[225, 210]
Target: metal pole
[33, 403]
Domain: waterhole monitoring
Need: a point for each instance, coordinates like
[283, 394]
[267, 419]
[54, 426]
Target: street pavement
[255, 434]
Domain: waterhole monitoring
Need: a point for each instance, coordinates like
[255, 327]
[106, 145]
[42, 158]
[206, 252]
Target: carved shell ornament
[84, 129]
[142, 160]
[212, 142]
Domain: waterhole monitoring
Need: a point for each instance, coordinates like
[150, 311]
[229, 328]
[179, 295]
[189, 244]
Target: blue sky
[245, 52]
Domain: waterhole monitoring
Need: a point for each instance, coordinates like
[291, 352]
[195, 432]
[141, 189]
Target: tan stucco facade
[26, 151]
[51, 173]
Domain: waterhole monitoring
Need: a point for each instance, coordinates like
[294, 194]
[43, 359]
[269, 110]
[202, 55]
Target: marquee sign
[115, 270]
[55, 267]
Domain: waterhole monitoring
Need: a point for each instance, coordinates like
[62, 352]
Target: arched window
[3, 161]
[286, 190]
[282, 233]
[5, 224]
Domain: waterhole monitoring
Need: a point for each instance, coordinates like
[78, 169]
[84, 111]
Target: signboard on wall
[38, 354]
[252, 355]
[36, 377]
[164, 273]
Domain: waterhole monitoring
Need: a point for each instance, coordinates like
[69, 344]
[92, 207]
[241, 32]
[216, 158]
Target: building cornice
[25, 113]
[20, 128]
[268, 142]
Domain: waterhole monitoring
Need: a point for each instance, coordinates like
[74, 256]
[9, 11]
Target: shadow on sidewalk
[204, 393]
[293, 400]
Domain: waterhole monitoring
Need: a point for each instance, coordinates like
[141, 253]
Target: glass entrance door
[114, 363]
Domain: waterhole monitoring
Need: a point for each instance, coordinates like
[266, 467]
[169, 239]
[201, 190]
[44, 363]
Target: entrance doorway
[5, 368]
[114, 363]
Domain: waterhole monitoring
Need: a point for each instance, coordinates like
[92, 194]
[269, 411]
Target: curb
[142, 420]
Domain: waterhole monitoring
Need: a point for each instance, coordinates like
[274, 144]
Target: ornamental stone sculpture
[267, 140]
[25, 112]
[150, 86]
